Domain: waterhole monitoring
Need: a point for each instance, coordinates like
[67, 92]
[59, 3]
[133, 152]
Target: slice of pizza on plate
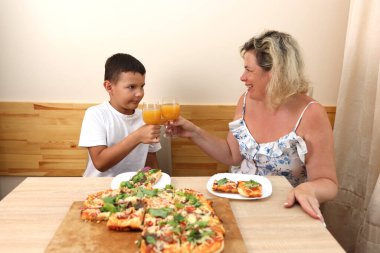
[225, 185]
[250, 189]
[153, 175]
[146, 177]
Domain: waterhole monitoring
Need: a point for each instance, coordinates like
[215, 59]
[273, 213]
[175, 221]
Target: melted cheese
[205, 217]
[191, 218]
[131, 199]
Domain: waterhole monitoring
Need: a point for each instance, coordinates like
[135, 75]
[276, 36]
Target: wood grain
[40, 139]
[75, 235]
[266, 226]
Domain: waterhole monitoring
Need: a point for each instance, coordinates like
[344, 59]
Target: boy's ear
[107, 85]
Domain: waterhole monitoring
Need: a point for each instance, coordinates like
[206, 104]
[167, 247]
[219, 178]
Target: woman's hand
[181, 127]
[304, 194]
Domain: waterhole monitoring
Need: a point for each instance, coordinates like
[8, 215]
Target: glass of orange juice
[151, 113]
[170, 110]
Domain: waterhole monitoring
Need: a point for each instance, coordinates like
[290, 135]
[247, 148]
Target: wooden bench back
[40, 139]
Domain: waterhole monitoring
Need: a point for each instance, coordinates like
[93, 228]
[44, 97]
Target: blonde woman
[277, 128]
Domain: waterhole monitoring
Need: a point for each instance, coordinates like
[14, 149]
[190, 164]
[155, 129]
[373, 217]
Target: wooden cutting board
[75, 235]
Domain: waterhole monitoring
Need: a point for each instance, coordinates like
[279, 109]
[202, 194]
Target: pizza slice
[123, 211]
[162, 231]
[128, 219]
[139, 179]
[127, 212]
[189, 197]
[94, 206]
[161, 238]
[96, 200]
[153, 176]
[224, 185]
[154, 216]
[202, 240]
[200, 217]
[250, 189]
[202, 230]
[94, 214]
[146, 177]
[93, 201]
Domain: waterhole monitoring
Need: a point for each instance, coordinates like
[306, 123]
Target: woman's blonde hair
[279, 53]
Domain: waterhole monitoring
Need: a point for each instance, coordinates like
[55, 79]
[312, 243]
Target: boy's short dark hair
[119, 63]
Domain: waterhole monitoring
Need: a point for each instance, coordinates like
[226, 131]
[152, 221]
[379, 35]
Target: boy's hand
[149, 134]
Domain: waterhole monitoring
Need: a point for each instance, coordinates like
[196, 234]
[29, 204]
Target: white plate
[266, 184]
[115, 184]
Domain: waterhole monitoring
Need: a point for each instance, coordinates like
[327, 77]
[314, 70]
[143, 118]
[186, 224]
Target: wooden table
[31, 213]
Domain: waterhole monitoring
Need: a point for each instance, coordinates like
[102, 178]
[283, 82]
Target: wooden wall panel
[331, 110]
[187, 158]
[40, 139]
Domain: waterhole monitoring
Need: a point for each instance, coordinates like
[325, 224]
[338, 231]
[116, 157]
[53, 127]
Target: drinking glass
[151, 113]
[170, 110]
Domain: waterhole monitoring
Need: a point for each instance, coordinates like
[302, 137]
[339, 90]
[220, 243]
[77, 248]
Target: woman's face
[254, 77]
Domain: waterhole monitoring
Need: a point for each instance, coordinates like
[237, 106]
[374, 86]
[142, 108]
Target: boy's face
[127, 92]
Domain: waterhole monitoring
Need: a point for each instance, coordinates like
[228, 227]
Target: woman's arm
[225, 151]
[322, 184]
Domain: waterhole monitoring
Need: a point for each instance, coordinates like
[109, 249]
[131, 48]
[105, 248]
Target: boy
[114, 132]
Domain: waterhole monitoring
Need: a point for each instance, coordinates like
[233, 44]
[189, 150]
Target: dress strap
[245, 95]
[300, 118]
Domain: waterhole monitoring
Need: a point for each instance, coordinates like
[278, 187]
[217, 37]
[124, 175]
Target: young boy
[114, 132]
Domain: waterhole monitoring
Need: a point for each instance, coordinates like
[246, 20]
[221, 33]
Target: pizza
[146, 177]
[250, 189]
[93, 206]
[170, 219]
[225, 185]
[128, 213]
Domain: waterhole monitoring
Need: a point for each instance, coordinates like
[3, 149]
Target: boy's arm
[104, 157]
[151, 160]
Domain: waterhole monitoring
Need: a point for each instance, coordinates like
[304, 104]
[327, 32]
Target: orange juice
[152, 117]
[170, 111]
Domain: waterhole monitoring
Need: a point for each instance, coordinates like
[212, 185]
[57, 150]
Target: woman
[277, 128]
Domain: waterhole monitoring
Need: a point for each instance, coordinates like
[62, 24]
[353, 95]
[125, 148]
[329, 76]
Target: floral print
[284, 157]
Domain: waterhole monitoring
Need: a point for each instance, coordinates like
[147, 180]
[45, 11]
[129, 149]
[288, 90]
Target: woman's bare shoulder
[315, 115]
[241, 100]
[239, 107]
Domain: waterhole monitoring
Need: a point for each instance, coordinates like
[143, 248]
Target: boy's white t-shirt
[104, 125]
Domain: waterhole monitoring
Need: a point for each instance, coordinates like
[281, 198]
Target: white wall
[54, 51]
